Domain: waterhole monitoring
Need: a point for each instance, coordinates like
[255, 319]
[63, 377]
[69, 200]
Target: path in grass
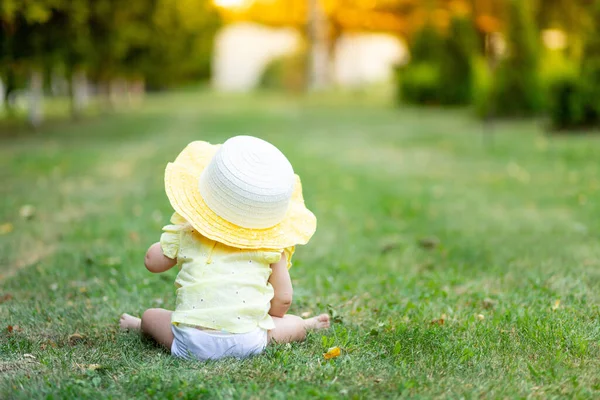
[452, 269]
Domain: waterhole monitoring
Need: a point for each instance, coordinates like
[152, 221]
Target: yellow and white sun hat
[243, 193]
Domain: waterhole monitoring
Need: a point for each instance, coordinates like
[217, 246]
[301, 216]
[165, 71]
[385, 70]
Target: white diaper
[190, 342]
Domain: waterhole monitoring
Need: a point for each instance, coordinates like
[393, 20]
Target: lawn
[457, 260]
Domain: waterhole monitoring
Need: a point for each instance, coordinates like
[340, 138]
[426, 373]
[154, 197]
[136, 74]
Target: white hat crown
[248, 182]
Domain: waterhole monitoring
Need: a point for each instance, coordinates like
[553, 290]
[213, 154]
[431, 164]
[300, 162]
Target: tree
[571, 16]
[575, 99]
[319, 48]
[517, 90]
[419, 80]
[164, 41]
[184, 32]
[27, 49]
[456, 59]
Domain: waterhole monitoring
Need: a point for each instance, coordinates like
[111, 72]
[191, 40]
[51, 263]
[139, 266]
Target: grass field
[454, 266]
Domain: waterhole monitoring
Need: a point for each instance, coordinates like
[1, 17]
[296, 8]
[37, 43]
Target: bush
[575, 99]
[288, 73]
[420, 83]
[516, 88]
[456, 64]
[566, 107]
[427, 45]
[482, 87]
[440, 71]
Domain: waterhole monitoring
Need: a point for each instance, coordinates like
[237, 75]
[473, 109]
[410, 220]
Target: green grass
[517, 224]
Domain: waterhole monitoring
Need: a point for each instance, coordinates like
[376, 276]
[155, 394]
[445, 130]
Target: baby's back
[221, 287]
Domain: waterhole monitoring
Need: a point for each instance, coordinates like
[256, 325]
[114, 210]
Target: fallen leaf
[75, 338]
[50, 343]
[489, 303]
[27, 211]
[5, 297]
[439, 321]
[31, 356]
[82, 289]
[332, 353]
[6, 228]
[92, 367]
[10, 328]
[378, 380]
[556, 305]
[480, 317]
[429, 243]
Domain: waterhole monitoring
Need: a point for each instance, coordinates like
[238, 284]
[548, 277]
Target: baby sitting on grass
[239, 213]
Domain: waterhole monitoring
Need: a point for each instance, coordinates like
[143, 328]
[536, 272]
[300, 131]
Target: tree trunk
[104, 94]
[78, 93]
[36, 85]
[2, 94]
[9, 87]
[319, 49]
[136, 89]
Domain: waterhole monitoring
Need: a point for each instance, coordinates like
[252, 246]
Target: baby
[239, 213]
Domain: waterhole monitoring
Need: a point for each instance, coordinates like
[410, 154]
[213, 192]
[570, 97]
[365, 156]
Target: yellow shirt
[219, 287]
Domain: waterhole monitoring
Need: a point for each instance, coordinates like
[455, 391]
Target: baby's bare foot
[130, 322]
[318, 322]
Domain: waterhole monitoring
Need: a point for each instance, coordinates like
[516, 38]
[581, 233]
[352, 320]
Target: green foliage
[440, 70]
[517, 90]
[427, 45]
[569, 104]
[482, 87]
[420, 83]
[163, 41]
[456, 63]
[575, 99]
[288, 73]
[183, 36]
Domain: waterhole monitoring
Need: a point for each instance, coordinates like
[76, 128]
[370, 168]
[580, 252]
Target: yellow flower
[332, 353]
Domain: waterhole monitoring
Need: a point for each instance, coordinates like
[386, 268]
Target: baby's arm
[156, 261]
[282, 285]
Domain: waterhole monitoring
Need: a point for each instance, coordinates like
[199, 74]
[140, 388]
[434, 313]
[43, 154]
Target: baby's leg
[155, 323]
[291, 328]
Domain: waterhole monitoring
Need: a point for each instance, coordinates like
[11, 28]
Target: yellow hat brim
[181, 186]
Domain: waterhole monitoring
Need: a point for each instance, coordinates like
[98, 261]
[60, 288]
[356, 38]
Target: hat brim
[181, 186]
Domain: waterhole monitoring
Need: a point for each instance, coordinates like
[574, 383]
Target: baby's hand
[156, 261]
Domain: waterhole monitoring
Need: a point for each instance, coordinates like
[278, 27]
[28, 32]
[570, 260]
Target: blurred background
[503, 58]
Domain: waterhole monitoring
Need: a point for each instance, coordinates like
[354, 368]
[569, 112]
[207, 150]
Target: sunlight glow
[229, 3]
[554, 39]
